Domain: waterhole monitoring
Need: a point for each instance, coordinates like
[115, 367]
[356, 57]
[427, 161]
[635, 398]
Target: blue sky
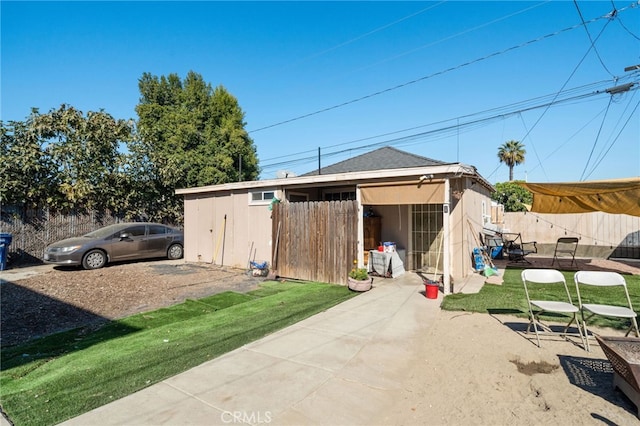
[449, 80]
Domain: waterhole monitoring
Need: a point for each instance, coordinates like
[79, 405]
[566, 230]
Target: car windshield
[104, 232]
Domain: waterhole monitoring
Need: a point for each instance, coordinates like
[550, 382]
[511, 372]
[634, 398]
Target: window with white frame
[262, 197]
[486, 217]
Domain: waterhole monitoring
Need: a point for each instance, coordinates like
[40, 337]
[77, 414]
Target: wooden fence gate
[315, 241]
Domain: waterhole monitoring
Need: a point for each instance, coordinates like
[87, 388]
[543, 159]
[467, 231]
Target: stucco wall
[467, 202]
[244, 235]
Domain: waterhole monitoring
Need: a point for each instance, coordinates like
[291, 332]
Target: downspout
[446, 225]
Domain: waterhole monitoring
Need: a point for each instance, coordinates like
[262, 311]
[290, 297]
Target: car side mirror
[124, 236]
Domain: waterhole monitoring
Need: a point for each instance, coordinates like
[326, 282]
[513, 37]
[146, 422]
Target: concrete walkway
[342, 366]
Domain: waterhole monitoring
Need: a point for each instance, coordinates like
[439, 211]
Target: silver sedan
[122, 241]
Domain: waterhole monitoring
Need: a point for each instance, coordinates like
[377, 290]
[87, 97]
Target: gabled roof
[381, 159]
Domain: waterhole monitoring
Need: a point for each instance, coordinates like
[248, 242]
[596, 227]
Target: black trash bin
[5, 241]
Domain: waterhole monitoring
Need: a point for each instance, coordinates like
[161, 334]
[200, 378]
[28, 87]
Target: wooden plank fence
[316, 241]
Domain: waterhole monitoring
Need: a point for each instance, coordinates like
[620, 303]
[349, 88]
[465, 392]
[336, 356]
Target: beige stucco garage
[430, 209]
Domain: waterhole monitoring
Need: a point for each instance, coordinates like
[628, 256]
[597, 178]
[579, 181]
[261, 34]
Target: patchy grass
[64, 375]
[509, 298]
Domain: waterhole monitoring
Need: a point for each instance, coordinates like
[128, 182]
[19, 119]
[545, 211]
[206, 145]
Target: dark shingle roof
[380, 159]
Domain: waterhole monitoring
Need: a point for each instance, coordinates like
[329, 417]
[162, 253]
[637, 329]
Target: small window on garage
[262, 197]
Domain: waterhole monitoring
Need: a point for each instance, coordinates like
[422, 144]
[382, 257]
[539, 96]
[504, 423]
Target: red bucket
[431, 289]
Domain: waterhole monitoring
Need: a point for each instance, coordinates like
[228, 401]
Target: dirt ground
[484, 369]
[470, 369]
[60, 299]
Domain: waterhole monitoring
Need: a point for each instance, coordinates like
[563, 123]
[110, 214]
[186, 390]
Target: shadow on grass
[101, 329]
[23, 309]
[596, 377]
[54, 327]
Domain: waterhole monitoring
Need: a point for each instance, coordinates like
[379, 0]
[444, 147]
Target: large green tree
[190, 135]
[511, 153]
[26, 172]
[64, 159]
[512, 196]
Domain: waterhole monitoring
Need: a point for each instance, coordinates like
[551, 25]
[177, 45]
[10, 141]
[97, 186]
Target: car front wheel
[175, 251]
[94, 259]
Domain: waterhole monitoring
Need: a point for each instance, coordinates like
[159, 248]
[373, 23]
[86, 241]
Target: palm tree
[511, 153]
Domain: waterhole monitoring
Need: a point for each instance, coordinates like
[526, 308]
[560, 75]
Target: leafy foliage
[512, 196]
[359, 274]
[63, 159]
[26, 170]
[188, 134]
[511, 153]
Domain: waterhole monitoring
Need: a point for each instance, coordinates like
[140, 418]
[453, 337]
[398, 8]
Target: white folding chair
[531, 277]
[604, 279]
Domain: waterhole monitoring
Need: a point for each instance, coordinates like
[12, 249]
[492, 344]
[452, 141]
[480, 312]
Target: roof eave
[445, 170]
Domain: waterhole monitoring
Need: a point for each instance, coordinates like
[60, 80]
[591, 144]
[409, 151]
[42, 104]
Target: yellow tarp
[616, 196]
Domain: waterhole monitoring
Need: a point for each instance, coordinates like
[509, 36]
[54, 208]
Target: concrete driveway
[342, 366]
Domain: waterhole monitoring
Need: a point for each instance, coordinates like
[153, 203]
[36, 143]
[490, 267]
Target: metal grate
[624, 355]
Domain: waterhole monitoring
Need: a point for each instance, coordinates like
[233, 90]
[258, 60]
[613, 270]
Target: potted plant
[359, 279]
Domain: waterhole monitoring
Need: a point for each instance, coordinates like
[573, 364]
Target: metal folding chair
[538, 277]
[565, 247]
[603, 279]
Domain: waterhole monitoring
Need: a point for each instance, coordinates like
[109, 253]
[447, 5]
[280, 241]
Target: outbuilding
[319, 225]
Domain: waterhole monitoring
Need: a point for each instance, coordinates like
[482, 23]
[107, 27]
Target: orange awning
[616, 196]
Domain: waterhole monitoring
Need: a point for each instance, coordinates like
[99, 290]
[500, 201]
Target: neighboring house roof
[381, 159]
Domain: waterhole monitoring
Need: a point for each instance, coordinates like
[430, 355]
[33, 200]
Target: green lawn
[61, 376]
[509, 298]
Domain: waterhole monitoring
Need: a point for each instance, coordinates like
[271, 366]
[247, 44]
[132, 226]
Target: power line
[477, 27]
[615, 14]
[549, 155]
[439, 132]
[411, 82]
[575, 2]
[520, 105]
[361, 36]
[595, 142]
[575, 69]
[595, 166]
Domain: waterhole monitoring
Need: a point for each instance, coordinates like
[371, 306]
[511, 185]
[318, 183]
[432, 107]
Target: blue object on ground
[262, 265]
[5, 241]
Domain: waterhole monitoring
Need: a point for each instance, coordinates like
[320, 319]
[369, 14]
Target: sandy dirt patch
[57, 299]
